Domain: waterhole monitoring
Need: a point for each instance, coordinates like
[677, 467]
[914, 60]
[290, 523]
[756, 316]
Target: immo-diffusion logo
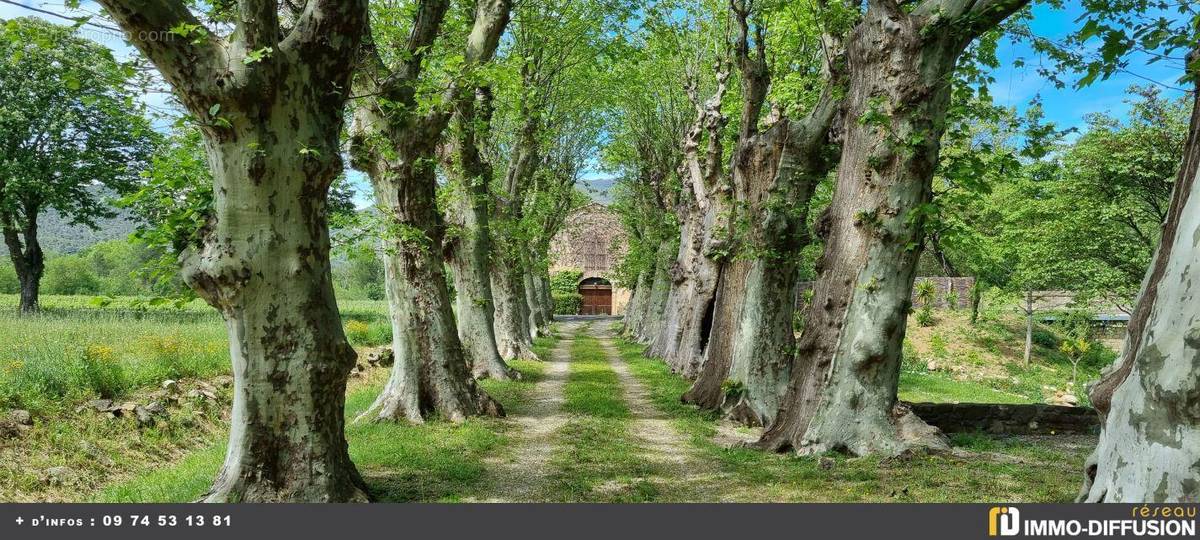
[1145, 520]
[1004, 521]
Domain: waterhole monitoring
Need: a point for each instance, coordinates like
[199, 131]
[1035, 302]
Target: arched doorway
[597, 296]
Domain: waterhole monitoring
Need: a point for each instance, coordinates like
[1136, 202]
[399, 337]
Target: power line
[85, 20]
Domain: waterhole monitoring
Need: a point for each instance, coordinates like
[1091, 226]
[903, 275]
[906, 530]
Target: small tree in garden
[926, 293]
[1076, 348]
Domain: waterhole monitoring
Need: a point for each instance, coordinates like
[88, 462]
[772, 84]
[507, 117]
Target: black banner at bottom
[591, 521]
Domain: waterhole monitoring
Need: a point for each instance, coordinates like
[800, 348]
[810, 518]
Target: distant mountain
[58, 235]
[598, 186]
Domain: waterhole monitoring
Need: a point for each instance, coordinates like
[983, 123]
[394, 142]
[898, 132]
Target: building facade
[593, 241]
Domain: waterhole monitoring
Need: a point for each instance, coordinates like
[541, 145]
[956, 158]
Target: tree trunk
[547, 300]
[773, 175]
[469, 260]
[430, 374]
[666, 338]
[30, 283]
[264, 264]
[513, 335]
[701, 210]
[395, 143]
[271, 128]
[707, 390]
[1149, 448]
[976, 300]
[694, 276]
[639, 302]
[779, 170]
[514, 323]
[660, 290]
[533, 301]
[469, 253]
[27, 257]
[842, 393]
[691, 315]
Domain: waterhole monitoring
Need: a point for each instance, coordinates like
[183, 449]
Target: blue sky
[1014, 86]
[1017, 86]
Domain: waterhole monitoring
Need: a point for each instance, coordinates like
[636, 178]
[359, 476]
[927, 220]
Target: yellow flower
[102, 353]
[166, 345]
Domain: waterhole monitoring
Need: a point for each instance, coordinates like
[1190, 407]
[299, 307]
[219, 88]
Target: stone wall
[1030, 419]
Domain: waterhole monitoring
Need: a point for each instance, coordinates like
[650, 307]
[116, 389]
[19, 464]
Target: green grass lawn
[437, 461]
[598, 456]
[598, 460]
[77, 350]
[936, 387]
[1029, 470]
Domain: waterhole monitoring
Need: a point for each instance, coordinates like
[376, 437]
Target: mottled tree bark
[514, 331]
[1149, 448]
[538, 324]
[703, 212]
[774, 173]
[842, 392]
[396, 147]
[660, 290]
[780, 169]
[707, 391]
[430, 374]
[542, 283]
[271, 129]
[639, 303]
[514, 337]
[469, 253]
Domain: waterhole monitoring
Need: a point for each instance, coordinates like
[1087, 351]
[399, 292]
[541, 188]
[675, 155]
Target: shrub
[732, 389]
[567, 303]
[1045, 338]
[70, 275]
[926, 292]
[925, 316]
[375, 332]
[565, 282]
[952, 300]
[101, 372]
[8, 278]
[937, 345]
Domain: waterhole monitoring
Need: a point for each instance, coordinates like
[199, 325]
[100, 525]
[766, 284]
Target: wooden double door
[597, 298]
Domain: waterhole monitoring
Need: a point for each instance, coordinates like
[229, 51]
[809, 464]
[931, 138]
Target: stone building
[592, 241]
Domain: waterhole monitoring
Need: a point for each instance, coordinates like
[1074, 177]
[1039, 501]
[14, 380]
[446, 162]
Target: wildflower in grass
[102, 372]
[358, 331]
[170, 345]
[100, 353]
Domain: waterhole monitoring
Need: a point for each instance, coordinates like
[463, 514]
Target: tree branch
[756, 75]
[983, 15]
[185, 52]
[259, 23]
[326, 34]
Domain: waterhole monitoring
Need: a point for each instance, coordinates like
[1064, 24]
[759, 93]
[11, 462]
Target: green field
[81, 349]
